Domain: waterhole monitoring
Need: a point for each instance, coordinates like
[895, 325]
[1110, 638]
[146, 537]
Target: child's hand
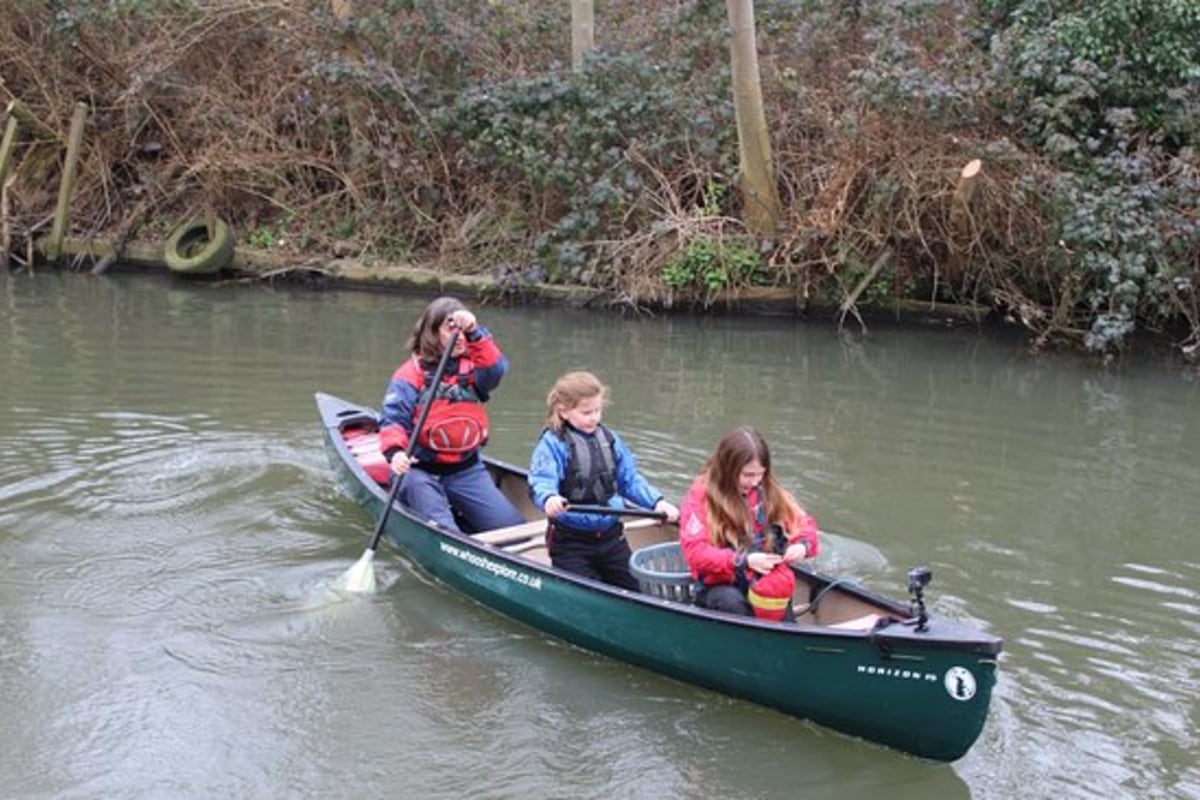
[763, 563]
[463, 320]
[796, 552]
[401, 462]
[669, 509]
[554, 505]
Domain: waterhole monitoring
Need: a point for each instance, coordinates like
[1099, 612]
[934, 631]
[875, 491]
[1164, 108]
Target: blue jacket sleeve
[631, 484]
[547, 466]
[398, 403]
[397, 418]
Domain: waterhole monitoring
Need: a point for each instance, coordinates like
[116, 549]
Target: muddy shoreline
[256, 265]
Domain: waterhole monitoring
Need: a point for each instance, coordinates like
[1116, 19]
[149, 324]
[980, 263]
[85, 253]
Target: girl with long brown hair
[740, 530]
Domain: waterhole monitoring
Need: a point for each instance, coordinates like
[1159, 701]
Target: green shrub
[565, 140]
[711, 265]
[1067, 65]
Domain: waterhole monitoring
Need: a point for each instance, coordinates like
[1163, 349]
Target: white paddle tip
[361, 576]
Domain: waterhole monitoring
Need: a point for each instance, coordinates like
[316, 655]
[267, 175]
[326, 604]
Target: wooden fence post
[74, 142]
[17, 110]
[6, 149]
[7, 145]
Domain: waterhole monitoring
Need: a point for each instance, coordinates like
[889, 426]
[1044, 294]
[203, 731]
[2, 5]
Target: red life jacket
[457, 424]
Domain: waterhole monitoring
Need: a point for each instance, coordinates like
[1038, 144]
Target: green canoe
[865, 665]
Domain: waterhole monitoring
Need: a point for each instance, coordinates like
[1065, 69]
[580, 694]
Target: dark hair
[424, 342]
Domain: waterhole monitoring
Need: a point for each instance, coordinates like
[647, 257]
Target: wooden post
[17, 110]
[74, 142]
[6, 149]
[583, 30]
[960, 218]
[5, 234]
[960, 208]
[7, 145]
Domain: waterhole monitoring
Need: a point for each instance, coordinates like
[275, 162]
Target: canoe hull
[926, 695]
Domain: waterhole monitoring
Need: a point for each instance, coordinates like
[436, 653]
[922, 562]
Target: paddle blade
[844, 554]
[361, 576]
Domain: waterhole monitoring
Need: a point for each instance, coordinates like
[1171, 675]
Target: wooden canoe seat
[641, 522]
[512, 534]
[529, 538]
[534, 547]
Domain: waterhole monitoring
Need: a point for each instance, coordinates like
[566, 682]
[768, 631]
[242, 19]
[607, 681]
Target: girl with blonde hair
[579, 461]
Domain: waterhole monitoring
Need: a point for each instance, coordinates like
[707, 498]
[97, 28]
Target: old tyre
[199, 247]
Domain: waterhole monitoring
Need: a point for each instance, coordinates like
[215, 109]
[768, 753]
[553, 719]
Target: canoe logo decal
[903, 673]
[494, 567]
[959, 683]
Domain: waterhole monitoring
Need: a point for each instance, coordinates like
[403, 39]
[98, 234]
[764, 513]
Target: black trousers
[729, 598]
[601, 556]
[724, 597]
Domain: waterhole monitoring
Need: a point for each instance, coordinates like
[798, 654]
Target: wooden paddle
[361, 576]
[576, 508]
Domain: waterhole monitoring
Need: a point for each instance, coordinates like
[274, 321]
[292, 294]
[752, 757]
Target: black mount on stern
[918, 579]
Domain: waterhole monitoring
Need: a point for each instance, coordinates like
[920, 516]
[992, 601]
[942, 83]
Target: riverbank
[916, 164]
[258, 265]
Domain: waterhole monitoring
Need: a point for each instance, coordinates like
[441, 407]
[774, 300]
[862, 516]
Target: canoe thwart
[513, 534]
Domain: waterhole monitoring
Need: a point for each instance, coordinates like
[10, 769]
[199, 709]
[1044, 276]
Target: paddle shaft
[578, 508]
[398, 480]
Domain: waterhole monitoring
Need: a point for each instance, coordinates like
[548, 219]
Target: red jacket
[713, 564]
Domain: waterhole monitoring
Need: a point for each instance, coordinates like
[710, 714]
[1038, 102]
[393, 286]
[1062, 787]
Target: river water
[170, 533]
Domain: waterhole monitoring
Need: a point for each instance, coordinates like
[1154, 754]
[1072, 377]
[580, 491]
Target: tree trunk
[583, 30]
[760, 196]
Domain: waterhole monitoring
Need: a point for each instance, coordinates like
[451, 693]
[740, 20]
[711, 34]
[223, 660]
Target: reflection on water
[169, 624]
